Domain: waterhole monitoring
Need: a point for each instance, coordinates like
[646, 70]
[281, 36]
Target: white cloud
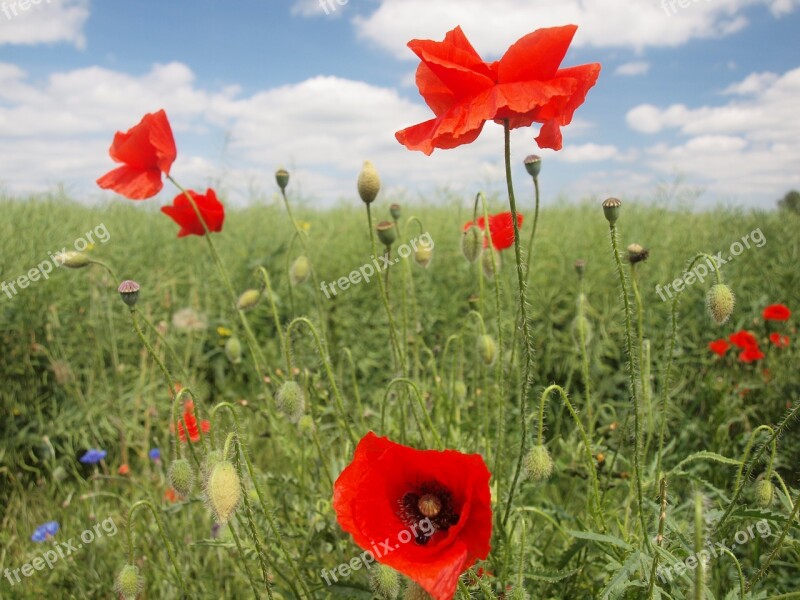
[587, 152]
[43, 22]
[492, 26]
[634, 68]
[316, 8]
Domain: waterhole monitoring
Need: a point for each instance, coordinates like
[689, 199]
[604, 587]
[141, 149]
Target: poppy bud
[487, 348]
[181, 476]
[395, 211]
[538, 463]
[385, 582]
[490, 261]
[533, 165]
[248, 299]
[720, 301]
[637, 254]
[471, 243]
[212, 458]
[129, 292]
[223, 491]
[299, 270]
[233, 350]
[611, 207]
[765, 493]
[72, 259]
[423, 254]
[369, 182]
[290, 400]
[580, 267]
[460, 390]
[129, 584]
[576, 331]
[306, 424]
[282, 178]
[387, 232]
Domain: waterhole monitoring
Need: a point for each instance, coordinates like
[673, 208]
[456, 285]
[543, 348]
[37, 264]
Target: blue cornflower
[93, 456]
[45, 531]
[155, 455]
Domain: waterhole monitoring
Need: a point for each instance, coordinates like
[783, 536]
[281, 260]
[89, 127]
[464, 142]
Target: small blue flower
[93, 456]
[45, 531]
[155, 455]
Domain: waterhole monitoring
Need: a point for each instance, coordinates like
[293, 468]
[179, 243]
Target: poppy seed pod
[471, 244]
[223, 490]
[248, 299]
[487, 348]
[611, 208]
[387, 232]
[129, 292]
[72, 259]
[369, 183]
[720, 301]
[300, 269]
[539, 463]
[129, 584]
[637, 254]
[423, 254]
[233, 350]
[533, 165]
[290, 400]
[181, 476]
[282, 178]
[580, 267]
[395, 211]
[385, 582]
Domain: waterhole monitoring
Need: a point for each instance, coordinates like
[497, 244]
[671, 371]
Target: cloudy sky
[694, 99]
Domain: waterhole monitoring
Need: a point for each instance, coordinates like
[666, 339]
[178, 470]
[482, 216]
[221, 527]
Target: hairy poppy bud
[181, 476]
[460, 390]
[248, 299]
[223, 491]
[385, 582]
[369, 182]
[423, 254]
[129, 292]
[233, 350]
[487, 348]
[720, 301]
[387, 232]
[765, 492]
[533, 165]
[538, 463]
[611, 208]
[471, 243]
[395, 211]
[72, 259]
[282, 178]
[490, 261]
[290, 400]
[129, 584]
[300, 269]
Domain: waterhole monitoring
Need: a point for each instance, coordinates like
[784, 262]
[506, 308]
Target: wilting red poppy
[719, 347]
[425, 513]
[501, 226]
[525, 86]
[781, 341]
[146, 150]
[743, 340]
[777, 312]
[191, 424]
[182, 212]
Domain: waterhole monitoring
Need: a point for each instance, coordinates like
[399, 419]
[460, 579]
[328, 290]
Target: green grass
[74, 376]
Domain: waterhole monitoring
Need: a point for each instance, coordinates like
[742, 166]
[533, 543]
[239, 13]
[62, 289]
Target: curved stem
[422, 408]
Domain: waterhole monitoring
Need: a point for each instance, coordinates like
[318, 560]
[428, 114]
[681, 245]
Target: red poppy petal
[182, 212]
[548, 46]
[132, 183]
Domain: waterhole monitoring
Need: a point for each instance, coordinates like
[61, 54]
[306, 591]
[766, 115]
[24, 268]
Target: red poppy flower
[781, 341]
[525, 86]
[777, 312]
[124, 469]
[182, 212]
[743, 340]
[425, 513]
[501, 227]
[719, 347]
[749, 355]
[191, 424]
[171, 495]
[146, 150]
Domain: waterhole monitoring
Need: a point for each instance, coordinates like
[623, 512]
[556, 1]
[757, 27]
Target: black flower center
[426, 509]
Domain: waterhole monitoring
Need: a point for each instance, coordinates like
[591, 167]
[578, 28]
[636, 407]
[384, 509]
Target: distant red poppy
[124, 469]
[182, 212]
[171, 495]
[425, 513]
[777, 312]
[749, 355]
[146, 150]
[525, 86]
[781, 341]
[719, 347]
[501, 227]
[191, 424]
[743, 339]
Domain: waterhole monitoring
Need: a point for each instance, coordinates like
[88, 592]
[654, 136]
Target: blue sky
[695, 103]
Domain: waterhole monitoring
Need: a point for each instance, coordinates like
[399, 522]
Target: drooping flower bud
[300, 269]
[129, 583]
[181, 476]
[223, 490]
[471, 243]
[385, 582]
[387, 232]
[764, 493]
[369, 182]
[282, 178]
[129, 292]
[720, 301]
[538, 463]
[72, 259]
[233, 350]
[533, 165]
[487, 348]
[423, 254]
[611, 208]
[248, 299]
[290, 400]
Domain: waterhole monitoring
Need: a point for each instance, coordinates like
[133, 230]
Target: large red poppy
[777, 312]
[146, 150]
[501, 226]
[182, 212]
[425, 513]
[525, 86]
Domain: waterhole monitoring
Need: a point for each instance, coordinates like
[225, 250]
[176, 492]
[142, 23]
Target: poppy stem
[527, 341]
[533, 232]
